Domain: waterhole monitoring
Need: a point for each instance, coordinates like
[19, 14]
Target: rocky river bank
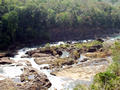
[59, 66]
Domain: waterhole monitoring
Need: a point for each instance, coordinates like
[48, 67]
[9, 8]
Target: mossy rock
[63, 61]
[75, 54]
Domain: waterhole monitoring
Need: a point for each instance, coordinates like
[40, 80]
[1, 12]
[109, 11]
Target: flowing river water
[60, 83]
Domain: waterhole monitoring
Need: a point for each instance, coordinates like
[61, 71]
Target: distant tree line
[24, 20]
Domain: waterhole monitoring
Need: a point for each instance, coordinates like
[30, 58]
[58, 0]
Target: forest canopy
[24, 20]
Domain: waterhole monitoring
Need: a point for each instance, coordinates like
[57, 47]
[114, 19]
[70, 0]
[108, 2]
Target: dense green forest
[27, 20]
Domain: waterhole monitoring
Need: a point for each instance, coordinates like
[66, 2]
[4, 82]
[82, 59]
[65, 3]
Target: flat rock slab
[40, 55]
[7, 84]
[85, 71]
[6, 60]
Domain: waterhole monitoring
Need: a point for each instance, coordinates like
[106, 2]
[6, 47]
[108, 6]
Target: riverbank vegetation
[110, 79]
[31, 20]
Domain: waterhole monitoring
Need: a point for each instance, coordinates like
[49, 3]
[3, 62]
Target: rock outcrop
[34, 80]
[7, 84]
[6, 60]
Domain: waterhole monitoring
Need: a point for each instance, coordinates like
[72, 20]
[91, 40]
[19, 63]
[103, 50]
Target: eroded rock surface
[34, 80]
[85, 70]
[71, 65]
[7, 84]
[6, 60]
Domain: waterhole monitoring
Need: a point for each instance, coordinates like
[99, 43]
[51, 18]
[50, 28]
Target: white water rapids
[13, 71]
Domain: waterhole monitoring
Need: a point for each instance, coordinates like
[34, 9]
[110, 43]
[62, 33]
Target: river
[60, 83]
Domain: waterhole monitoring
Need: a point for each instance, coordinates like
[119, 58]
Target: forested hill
[43, 20]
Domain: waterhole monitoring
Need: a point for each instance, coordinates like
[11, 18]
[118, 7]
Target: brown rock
[46, 50]
[6, 60]
[75, 54]
[8, 54]
[19, 64]
[2, 55]
[28, 63]
[7, 84]
[100, 40]
[32, 52]
[45, 67]
[25, 57]
[85, 59]
[45, 60]
[94, 48]
[40, 55]
[59, 52]
[34, 81]
[62, 62]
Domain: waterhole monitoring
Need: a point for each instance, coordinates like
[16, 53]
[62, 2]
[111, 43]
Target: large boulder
[34, 80]
[94, 48]
[100, 40]
[31, 80]
[59, 62]
[45, 60]
[44, 52]
[30, 53]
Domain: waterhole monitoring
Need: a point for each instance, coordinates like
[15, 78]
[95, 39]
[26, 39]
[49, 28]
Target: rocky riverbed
[59, 66]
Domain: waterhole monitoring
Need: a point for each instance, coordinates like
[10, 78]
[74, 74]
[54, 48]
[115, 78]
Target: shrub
[109, 80]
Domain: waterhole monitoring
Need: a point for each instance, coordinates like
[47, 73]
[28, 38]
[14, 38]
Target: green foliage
[64, 18]
[104, 81]
[109, 80]
[11, 21]
[87, 44]
[115, 68]
[31, 19]
[81, 87]
[116, 52]
[47, 45]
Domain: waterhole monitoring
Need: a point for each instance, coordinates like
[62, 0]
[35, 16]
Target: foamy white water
[11, 71]
[59, 83]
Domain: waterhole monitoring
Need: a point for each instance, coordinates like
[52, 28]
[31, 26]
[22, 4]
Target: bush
[103, 81]
[109, 80]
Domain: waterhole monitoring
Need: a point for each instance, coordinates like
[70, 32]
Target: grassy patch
[87, 44]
